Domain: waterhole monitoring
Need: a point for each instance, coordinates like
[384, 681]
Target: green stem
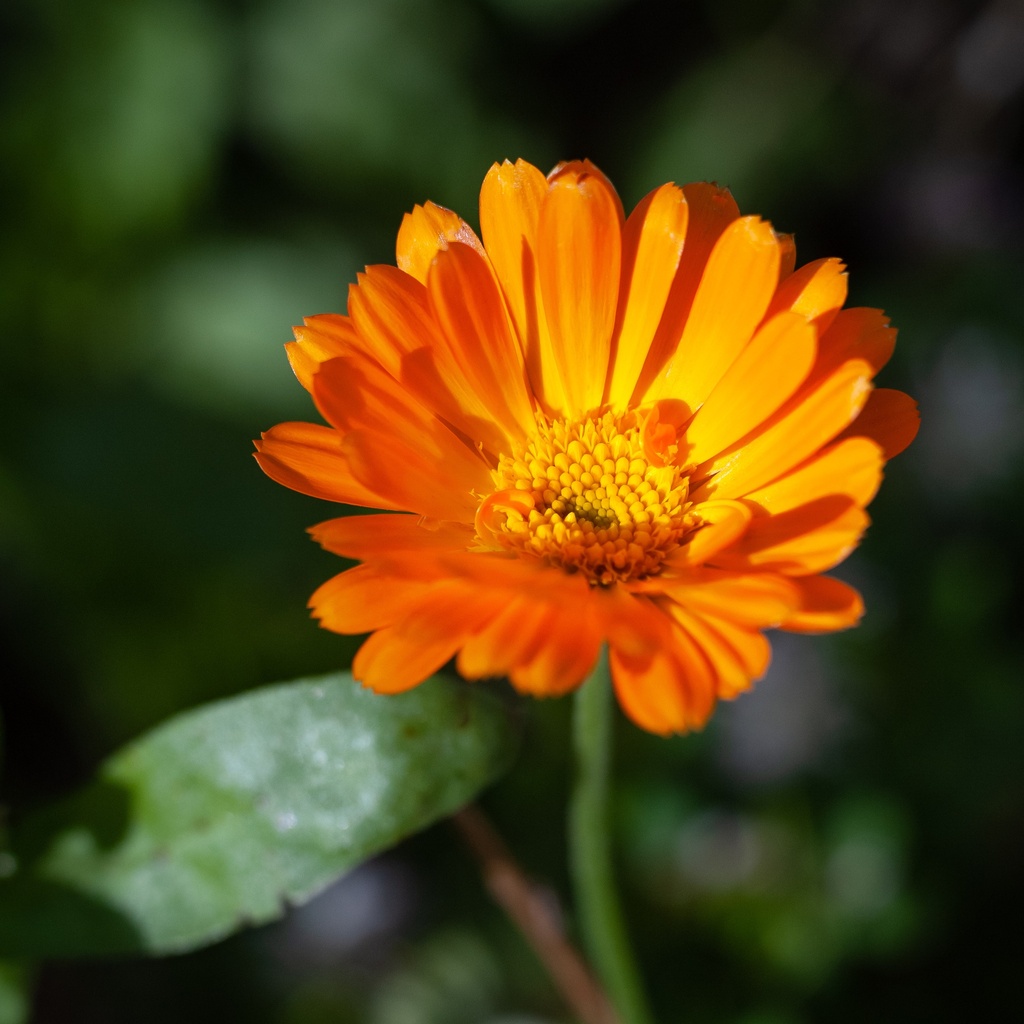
[590, 859]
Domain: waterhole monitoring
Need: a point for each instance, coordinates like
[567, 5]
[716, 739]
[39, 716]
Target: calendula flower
[649, 432]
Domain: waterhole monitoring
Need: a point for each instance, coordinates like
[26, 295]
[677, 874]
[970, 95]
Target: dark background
[182, 180]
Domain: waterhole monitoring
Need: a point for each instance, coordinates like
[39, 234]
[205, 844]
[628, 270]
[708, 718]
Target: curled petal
[890, 419]
[826, 604]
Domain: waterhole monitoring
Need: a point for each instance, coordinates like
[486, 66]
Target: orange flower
[649, 432]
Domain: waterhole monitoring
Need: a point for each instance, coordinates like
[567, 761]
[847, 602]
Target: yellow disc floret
[585, 496]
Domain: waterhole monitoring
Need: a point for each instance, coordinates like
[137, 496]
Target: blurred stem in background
[590, 860]
[533, 913]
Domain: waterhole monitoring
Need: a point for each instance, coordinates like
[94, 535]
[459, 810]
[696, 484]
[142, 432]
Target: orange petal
[852, 467]
[390, 537]
[544, 648]
[652, 242]
[512, 637]
[579, 257]
[510, 202]
[321, 338]
[734, 291]
[395, 324]
[760, 599]
[309, 458]
[468, 307]
[816, 291]
[804, 540]
[391, 314]
[568, 648]
[392, 662]
[737, 654]
[501, 571]
[826, 604]
[890, 418]
[858, 333]
[765, 374]
[363, 599]
[710, 210]
[425, 232]
[672, 690]
[425, 637]
[804, 425]
[396, 446]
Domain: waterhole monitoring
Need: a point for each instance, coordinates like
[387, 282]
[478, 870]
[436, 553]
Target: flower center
[589, 496]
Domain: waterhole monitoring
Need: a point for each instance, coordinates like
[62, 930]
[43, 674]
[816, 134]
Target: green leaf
[223, 816]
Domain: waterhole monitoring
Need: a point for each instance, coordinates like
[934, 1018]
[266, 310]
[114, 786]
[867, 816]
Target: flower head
[646, 431]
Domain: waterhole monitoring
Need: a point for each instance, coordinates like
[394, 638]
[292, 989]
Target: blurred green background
[184, 179]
